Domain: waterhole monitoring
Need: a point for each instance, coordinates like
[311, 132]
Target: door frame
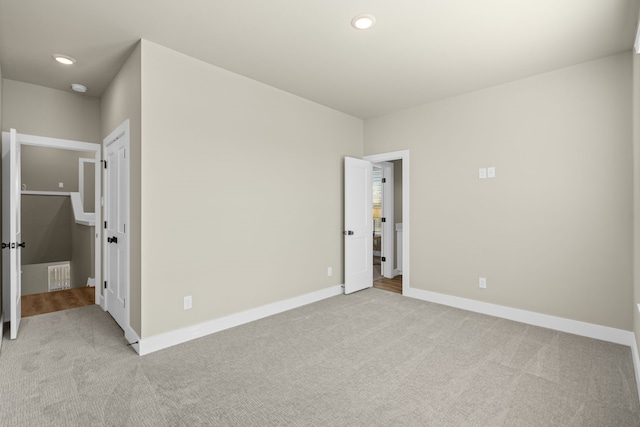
[402, 155]
[388, 227]
[67, 144]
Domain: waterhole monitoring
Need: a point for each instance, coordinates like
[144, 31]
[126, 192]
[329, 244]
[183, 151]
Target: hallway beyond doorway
[391, 285]
[49, 302]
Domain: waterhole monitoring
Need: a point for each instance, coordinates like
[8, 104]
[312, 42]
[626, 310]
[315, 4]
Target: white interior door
[358, 222]
[116, 289]
[11, 235]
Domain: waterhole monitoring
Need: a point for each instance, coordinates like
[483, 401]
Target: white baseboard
[590, 330]
[179, 336]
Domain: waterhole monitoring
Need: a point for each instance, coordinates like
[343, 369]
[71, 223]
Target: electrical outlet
[482, 282]
[188, 302]
[329, 271]
[61, 185]
[491, 172]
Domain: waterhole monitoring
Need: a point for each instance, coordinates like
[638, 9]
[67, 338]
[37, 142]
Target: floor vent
[59, 277]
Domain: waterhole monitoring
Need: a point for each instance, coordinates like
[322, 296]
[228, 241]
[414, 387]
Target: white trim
[66, 144]
[179, 336]
[636, 361]
[1, 328]
[45, 193]
[388, 232]
[81, 162]
[80, 216]
[404, 156]
[575, 327]
[636, 45]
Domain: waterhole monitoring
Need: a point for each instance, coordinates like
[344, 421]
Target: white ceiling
[419, 50]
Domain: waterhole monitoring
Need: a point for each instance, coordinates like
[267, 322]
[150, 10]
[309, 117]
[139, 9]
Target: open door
[11, 235]
[358, 223]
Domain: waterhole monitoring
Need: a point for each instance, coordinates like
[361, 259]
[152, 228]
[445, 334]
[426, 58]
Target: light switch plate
[482, 173]
[482, 282]
[491, 172]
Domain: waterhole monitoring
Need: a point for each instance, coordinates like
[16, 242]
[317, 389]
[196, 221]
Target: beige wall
[241, 191]
[82, 254]
[552, 233]
[37, 110]
[35, 278]
[44, 168]
[46, 229]
[122, 101]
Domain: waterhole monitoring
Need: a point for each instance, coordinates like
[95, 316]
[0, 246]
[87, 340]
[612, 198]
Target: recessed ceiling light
[78, 87]
[363, 22]
[64, 59]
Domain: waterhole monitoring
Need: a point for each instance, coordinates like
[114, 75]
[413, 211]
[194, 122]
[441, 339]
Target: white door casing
[388, 237]
[358, 222]
[406, 226]
[11, 232]
[116, 216]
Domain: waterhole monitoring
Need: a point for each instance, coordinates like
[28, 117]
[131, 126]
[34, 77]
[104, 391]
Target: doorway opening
[359, 223]
[58, 222]
[387, 206]
[13, 192]
[392, 182]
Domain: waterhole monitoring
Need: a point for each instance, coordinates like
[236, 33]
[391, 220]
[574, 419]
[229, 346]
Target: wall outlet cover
[188, 302]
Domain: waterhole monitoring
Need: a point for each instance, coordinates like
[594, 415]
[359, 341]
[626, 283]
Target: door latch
[349, 233]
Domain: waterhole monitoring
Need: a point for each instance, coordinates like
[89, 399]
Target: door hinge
[384, 180]
[383, 259]
[13, 245]
[383, 219]
[104, 162]
[105, 284]
[105, 224]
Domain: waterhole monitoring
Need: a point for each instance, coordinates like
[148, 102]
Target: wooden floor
[48, 302]
[391, 285]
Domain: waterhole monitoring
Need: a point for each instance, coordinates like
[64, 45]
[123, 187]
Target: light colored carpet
[373, 358]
